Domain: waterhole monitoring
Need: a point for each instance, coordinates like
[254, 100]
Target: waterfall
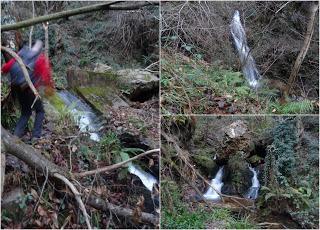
[254, 189]
[248, 64]
[88, 121]
[147, 179]
[216, 183]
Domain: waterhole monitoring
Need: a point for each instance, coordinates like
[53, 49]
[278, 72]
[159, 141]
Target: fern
[301, 107]
[296, 107]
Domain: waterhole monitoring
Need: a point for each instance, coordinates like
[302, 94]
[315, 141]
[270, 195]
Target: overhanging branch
[68, 13]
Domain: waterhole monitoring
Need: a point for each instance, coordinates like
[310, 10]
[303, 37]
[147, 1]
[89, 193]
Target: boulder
[204, 160]
[138, 85]
[237, 175]
[236, 138]
[101, 68]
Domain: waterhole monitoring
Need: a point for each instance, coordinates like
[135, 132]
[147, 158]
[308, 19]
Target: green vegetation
[287, 182]
[177, 215]
[190, 85]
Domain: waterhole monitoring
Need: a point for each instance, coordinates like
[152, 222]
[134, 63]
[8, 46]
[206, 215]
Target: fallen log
[99, 203]
[73, 12]
[28, 154]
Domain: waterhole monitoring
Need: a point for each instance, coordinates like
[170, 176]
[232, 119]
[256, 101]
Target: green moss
[147, 77]
[57, 103]
[97, 97]
[107, 74]
[254, 159]
[205, 161]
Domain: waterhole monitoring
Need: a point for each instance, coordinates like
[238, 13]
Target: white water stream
[217, 184]
[88, 121]
[248, 64]
[254, 189]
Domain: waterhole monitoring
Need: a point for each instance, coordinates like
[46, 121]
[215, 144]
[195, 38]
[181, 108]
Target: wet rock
[139, 85]
[237, 175]
[100, 97]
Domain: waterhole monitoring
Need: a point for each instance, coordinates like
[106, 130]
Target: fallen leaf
[41, 211]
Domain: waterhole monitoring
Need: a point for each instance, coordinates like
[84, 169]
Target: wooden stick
[115, 166]
[77, 196]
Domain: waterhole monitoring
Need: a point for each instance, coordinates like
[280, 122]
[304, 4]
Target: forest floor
[42, 203]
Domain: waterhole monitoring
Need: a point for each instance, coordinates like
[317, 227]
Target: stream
[88, 121]
[248, 64]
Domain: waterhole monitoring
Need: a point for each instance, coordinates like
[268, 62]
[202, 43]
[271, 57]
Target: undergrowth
[189, 85]
[177, 215]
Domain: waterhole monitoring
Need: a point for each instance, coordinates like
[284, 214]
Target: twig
[77, 196]
[149, 66]
[282, 7]
[24, 71]
[115, 166]
[42, 190]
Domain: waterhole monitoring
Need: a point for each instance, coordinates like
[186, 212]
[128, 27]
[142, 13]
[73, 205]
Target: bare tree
[312, 10]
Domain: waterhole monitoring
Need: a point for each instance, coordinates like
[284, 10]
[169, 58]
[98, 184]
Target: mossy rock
[237, 175]
[99, 97]
[255, 160]
[204, 160]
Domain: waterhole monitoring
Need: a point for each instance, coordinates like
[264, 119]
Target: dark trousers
[26, 98]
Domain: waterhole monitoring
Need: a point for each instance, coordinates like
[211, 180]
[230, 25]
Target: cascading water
[83, 115]
[248, 64]
[254, 189]
[147, 179]
[217, 184]
[88, 121]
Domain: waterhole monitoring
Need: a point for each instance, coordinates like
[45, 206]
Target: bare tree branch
[115, 166]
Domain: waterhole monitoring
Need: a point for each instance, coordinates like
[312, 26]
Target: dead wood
[99, 203]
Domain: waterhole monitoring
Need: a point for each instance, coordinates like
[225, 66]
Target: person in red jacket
[40, 74]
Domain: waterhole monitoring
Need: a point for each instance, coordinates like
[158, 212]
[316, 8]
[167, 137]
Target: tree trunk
[26, 153]
[307, 39]
[31, 30]
[46, 38]
[68, 13]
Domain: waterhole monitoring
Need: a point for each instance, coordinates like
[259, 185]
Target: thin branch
[42, 189]
[77, 196]
[115, 166]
